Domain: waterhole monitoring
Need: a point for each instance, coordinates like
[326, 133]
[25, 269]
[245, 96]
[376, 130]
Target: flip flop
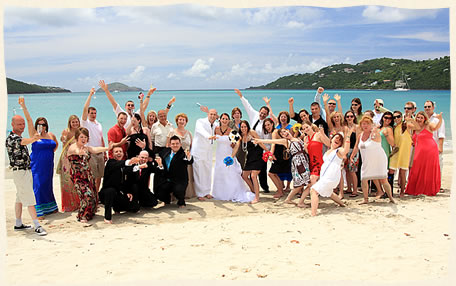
[353, 195]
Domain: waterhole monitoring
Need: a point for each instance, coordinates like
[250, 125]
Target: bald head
[18, 124]
[212, 115]
[143, 156]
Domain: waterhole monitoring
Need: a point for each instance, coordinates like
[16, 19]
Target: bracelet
[168, 106]
[147, 96]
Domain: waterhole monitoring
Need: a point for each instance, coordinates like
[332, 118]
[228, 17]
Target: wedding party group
[322, 153]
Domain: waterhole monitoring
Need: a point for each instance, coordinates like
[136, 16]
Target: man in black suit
[115, 194]
[172, 175]
[139, 181]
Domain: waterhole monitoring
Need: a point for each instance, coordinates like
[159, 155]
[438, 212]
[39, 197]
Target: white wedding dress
[228, 184]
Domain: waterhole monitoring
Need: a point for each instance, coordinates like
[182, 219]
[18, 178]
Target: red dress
[315, 150]
[424, 175]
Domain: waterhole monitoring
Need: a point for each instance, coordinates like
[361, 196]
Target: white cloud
[199, 67]
[295, 24]
[57, 17]
[424, 36]
[171, 75]
[390, 14]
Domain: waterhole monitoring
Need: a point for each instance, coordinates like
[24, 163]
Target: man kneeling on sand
[115, 194]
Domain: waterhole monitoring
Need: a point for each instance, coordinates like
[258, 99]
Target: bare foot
[201, 199]
[341, 197]
[209, 196]
[289, 202]
[83, 220]
[313, 214]
[401, 195]
[108, 221]
[278, 195]
[301, 205]
[365, 202]
[181, 207]
[254, 201]
[392, 201]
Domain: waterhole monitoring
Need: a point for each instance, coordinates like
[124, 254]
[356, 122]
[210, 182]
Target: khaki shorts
[24, 185]
[97, 165]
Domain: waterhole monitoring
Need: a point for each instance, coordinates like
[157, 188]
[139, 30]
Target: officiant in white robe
[203, 141]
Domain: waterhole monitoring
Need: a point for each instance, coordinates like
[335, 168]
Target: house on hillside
[377, 71]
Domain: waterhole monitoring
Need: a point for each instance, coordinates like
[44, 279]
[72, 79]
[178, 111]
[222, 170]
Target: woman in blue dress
[42, 162]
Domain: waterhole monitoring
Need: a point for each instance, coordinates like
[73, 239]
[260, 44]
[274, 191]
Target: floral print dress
[299, 164]
[84, 184]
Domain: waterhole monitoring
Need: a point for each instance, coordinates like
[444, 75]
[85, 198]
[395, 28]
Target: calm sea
[57, 107]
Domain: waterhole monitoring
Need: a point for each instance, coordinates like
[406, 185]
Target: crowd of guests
[319, 153]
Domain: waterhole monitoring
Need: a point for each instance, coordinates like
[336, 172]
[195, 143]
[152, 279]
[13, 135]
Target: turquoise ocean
[57, 107]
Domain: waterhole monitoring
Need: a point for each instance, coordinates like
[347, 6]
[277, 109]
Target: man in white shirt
[256, 119]
[159, 131]
[439, 135]
[203, 141]
[89, 121]
[378, 103]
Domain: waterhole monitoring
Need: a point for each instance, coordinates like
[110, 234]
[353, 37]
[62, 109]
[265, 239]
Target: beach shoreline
[231, 241]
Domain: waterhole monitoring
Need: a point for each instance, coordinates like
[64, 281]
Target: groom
[202, 154]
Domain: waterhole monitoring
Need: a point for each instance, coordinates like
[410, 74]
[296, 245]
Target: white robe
[202, 156]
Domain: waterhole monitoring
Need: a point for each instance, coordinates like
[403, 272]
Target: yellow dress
[401, 159]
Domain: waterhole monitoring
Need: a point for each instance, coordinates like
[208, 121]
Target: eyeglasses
[388, 117]
[397, 116]
[331, 103]
[427, 106]
[355, 104]
[408, 108]
[349, 116]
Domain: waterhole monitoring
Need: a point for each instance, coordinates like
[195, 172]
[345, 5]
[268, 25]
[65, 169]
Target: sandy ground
[380, 242]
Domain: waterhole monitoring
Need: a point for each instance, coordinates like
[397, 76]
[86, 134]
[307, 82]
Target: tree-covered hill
[15, 86]
[117, 86]
[383, 73]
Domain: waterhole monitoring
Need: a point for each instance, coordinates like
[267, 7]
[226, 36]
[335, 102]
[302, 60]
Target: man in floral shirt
[20, 165]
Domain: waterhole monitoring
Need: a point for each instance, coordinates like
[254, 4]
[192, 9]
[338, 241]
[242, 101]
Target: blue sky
[199, 47]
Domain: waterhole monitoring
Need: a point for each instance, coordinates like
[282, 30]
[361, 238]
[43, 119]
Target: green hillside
[117, 86]
[15, 86]
[371, 74]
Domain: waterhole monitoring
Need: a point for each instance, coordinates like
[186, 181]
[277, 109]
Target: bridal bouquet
[234, 136]
[228, 161]
[267, 155]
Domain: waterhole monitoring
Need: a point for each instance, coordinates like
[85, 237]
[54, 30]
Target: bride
[228, 184]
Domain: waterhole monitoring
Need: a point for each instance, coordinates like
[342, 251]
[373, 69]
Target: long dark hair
[247, 124]
[264, 128]
[138, 117]
[391, 121]
[360, 108]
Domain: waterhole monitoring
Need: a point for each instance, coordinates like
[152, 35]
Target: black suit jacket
[142, 176]
[115, 174]
[177, 172]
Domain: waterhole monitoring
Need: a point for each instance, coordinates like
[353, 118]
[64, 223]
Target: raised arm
[147, 99]
[268, 104]
[432, 126]
[326, 107]
[252, 113]
[85, 110]
[323, 138]
[317, 99]
[290, 106]
[96, 150]
[339, 105]
[170, 103]
[346, 144]
[104, 87]
[30, 126]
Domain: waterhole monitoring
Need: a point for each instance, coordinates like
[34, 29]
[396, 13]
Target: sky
[193, 46]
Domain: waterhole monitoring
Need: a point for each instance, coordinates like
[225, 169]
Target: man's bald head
[18, 124]
[143, 156]
[212, 115]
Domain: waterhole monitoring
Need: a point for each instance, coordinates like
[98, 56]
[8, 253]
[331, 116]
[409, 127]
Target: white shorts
[24, 185]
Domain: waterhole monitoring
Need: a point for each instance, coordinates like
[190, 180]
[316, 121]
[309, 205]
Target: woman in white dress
[375, 162]
[228, 184]
[330, 172]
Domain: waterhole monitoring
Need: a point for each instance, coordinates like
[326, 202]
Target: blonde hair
[71, 119]
[333, 114]
[147, 117]
[313, 126]
[426, 118]
[366, 118]
[183, 115]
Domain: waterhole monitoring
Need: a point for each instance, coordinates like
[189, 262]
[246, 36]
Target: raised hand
[266, 100]
[337, 97]
[320, 89]
[291, 101]
[238, 92]
[325, 97]
[204, 108]
[439, 116]
[151, 91]
[21, 101]
[110, 145]
[158, 159]
[140, 143]
[103, 85]
[172, 100]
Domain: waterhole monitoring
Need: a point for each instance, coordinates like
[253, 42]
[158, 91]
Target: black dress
[133, 149]
[280, 166]
[254, 159]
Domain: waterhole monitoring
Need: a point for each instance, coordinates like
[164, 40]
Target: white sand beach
[380, 242]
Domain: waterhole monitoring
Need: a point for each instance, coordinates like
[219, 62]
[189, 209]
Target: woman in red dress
[424, 177]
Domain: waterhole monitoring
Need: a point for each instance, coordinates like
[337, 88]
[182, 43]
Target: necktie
[256, 124]
[168, 161]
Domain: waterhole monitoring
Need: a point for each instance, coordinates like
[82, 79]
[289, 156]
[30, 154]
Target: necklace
[244, 146]
[223, 132]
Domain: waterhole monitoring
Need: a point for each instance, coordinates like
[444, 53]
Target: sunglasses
[388, 117]
[408, 108]
[131, 105]
[427, 106]
[355, 104]
[331, 103]
[397, 116]
[349, 116]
